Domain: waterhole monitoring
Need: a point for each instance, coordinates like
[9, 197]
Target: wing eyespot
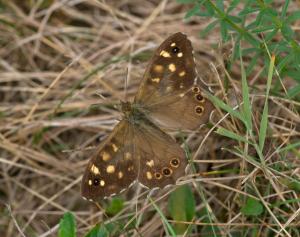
[96, 182]
[167, 171]
[200, 98]
[175, 49]
[199, 109]
[174, 162]
[196, 89]
[157, 175]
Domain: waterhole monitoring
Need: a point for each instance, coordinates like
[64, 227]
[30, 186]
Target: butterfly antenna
[128, 68]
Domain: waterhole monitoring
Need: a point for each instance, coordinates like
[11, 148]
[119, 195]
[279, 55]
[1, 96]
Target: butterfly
[169, 96]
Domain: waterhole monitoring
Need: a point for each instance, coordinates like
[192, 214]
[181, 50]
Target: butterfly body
[137, 149]
[132, 112]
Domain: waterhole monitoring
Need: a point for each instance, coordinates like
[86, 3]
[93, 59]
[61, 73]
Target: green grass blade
[220, 104]
[164, 219]
[289, 147]
[226, 133]
[247, 109]
[264, 118]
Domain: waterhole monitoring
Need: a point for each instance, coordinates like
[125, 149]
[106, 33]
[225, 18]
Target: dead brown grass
[48, 128]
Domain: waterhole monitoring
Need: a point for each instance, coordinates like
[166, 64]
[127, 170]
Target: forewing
[170, 92]
[111, 169]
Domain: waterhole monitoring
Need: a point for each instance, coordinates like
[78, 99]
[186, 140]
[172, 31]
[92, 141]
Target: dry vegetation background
[62, 68]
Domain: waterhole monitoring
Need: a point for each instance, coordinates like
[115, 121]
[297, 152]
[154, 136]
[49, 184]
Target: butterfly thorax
[132, 112]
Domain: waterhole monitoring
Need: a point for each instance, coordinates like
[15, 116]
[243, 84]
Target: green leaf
[192, 12]
[287, 32]
[284, 9]
[248, 10]
[186, 1]
[233, 5]
[208, 28]
[293, 74]
[209, 8]
[234, 19]
[67, 226]
[294, 16]
[270, 35]
[294, 91]
[251, 39]
[224, 31]
[97, 231]
[102, 230]
[181, 206]
[115, 206]
[220, 5]
[252, 207]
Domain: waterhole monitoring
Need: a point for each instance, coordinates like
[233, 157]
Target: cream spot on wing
[95, 170]
[105, 156]
[127, 156]
[120, 175]
[102, 183]
[158, 68]
[149, 175]
[169, 88]
[173, 44]
[90, 182]
[130, 168]
[165, 54]
[181, 85]
[156, 79]
[150, 163]
[179, 55]
[181, 95]
[172, 67]
[181, 74]
[114, 147]
[110, 169]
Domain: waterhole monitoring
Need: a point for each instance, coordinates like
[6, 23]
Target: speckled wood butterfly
[137, 149]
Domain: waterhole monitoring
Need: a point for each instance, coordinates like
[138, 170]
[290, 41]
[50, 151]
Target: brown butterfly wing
[161, 161]
[133, 151]
[170, 92]
[112, 168]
